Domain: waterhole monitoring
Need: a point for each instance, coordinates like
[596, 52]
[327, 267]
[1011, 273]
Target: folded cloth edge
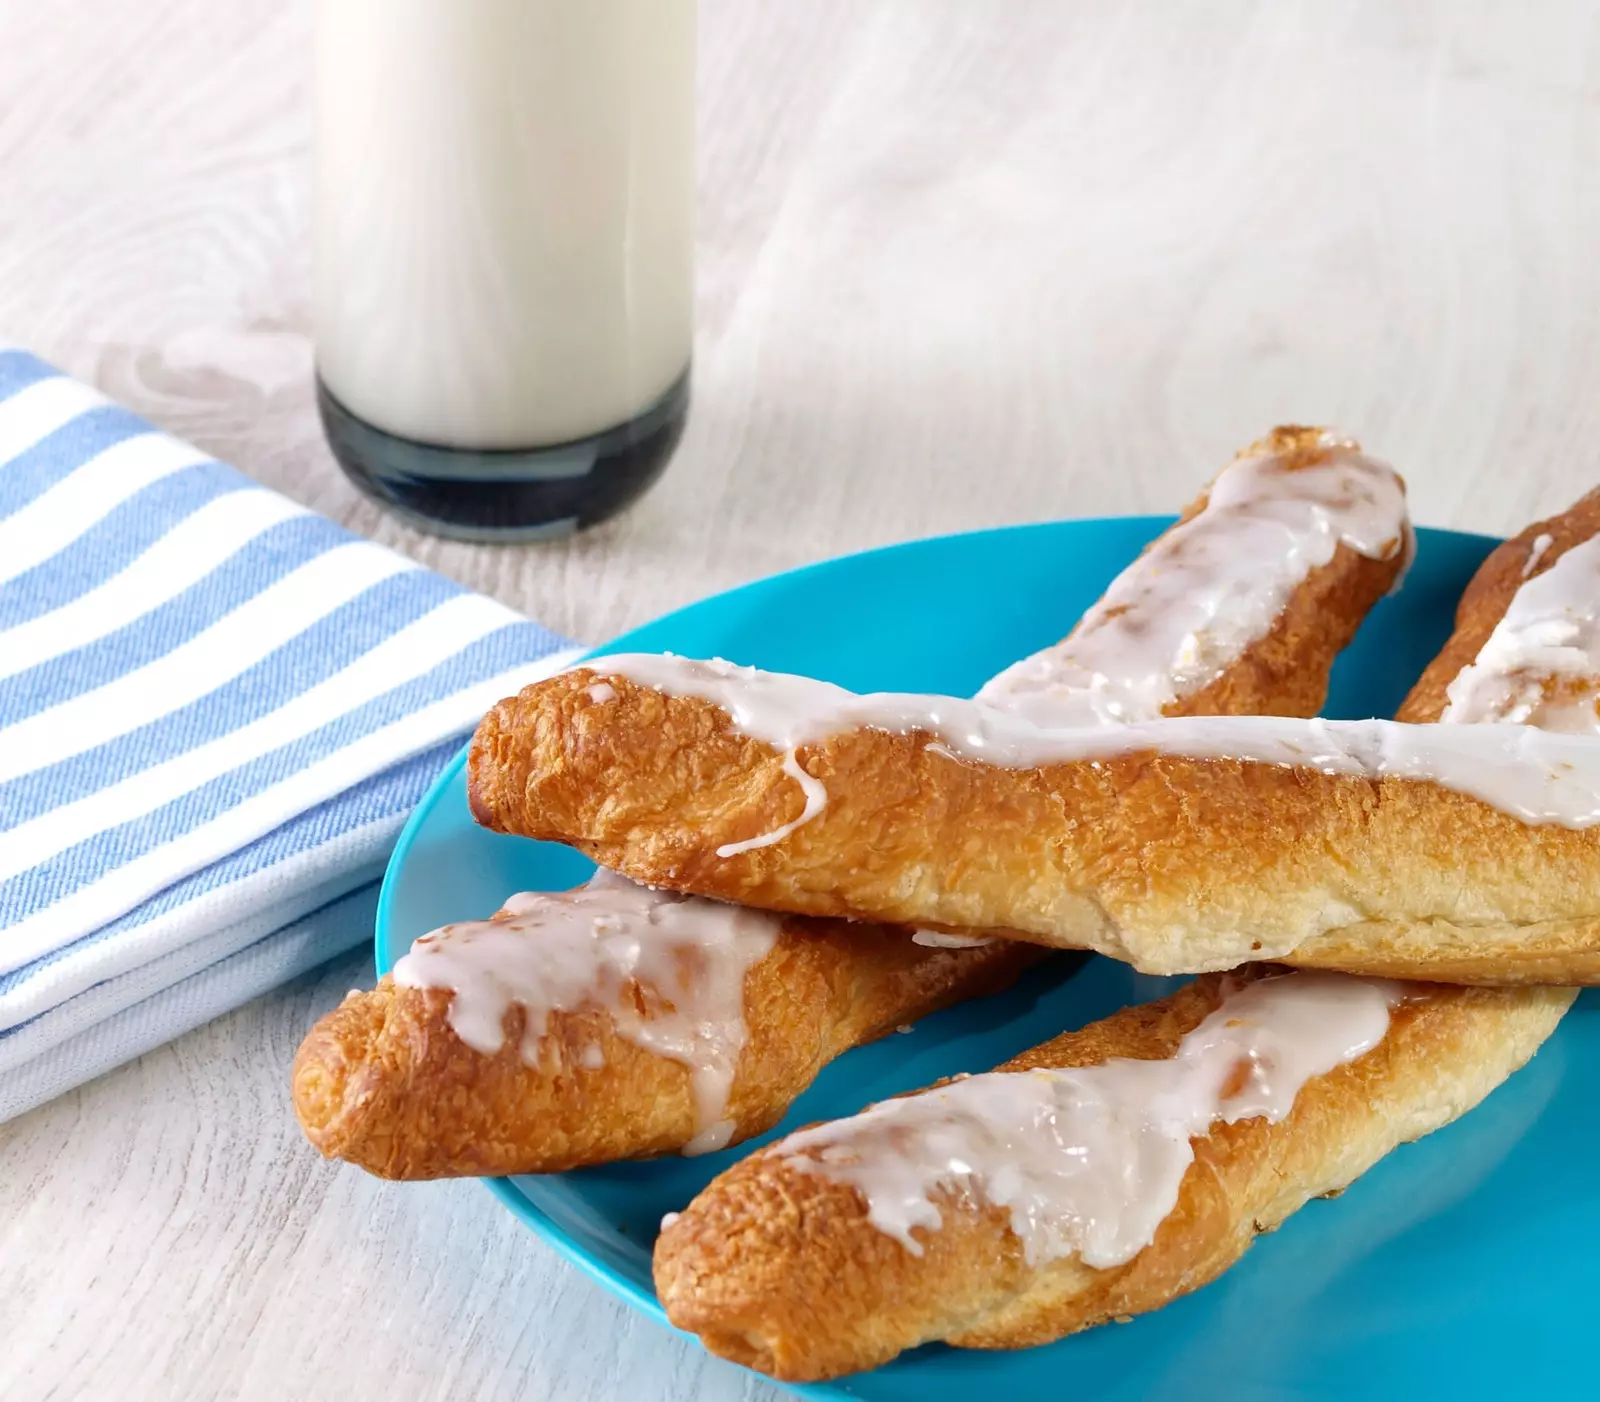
[131, 961]
[298, 886]
[194, 1001]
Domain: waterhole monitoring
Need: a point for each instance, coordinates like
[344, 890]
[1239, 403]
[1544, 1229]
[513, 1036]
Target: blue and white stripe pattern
[216, 710]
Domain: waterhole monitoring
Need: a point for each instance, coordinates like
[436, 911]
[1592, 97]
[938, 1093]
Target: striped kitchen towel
[216, 711]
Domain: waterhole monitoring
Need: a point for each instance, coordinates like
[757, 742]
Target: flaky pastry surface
[779, 1268]
[384, 1082]
[1172, 864]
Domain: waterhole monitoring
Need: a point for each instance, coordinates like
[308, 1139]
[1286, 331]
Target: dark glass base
[509, 494]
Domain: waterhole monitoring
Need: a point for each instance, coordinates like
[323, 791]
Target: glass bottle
[504, 254]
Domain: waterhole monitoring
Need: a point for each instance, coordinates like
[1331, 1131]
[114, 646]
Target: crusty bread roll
[779, 1268]
[385, 1080]
[1140, 843]
[789, 1263]
[1463, 952]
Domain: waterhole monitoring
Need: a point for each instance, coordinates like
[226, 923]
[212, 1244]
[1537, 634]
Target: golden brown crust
[510, 773]
[546, 763]
[1285, 672]
[1174, 865]
[1486, 598]
[779, 1269]
[383, 1082]
[1443, 949]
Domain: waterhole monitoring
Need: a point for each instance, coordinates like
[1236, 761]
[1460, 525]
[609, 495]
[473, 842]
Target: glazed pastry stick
[1460, 853]
[608, 1023]
[1102, 1174]
[793, 795]
[839, 1247]
[540, 1041]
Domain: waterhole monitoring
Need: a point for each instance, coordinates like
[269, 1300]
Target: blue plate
[1460, 1267]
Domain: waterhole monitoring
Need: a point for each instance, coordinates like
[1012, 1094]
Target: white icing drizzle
[1186, 609]
[1535, 776]
[1176, 618]
[601, 692]
[564, 951]
[1548, 638]
[816, 800]
[1536, 551]
[717, 1135]
[944, 939]
[1088, 1160]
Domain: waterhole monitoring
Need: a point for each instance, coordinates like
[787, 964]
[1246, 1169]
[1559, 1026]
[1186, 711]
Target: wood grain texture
[960, 265]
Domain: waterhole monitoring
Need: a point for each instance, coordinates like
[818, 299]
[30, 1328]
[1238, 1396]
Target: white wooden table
[962, 264]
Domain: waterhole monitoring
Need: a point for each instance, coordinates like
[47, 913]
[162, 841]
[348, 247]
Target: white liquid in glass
[504, 214]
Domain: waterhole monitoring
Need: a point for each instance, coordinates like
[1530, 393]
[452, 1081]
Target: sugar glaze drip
[549, 952]
[1091, 1160]
[945, 939]
[1194, 583]
[1533, 775]
[1539, 666]
[1088, 1160]
[1191, 605]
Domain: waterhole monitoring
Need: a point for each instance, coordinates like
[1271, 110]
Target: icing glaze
[1533, 775]
[1296, 519]
[1541, 665]
[816, 799]
[1188, 608]
[1536, 552]
[1088, 1160]
[593, 947]
[944, 939]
